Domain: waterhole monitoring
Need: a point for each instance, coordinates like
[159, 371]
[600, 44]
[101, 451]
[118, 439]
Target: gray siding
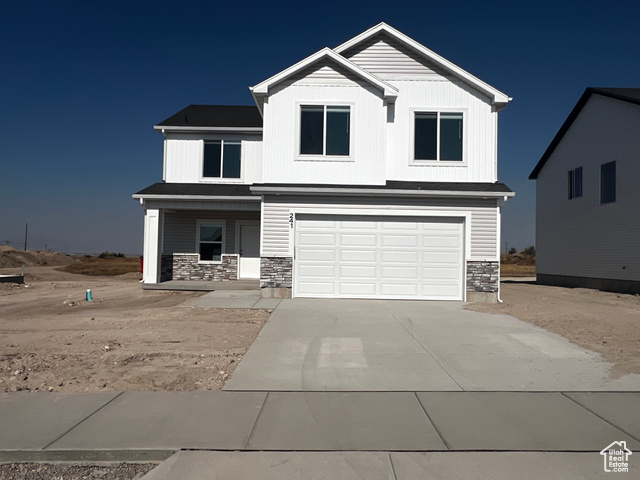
[483, 226]
[180, 233]
[580, 237]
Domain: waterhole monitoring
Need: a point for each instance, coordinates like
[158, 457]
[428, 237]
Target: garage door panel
[357, 255]
[389, 257]
[359, 240]
[316, 255]
[450, 241]
[398, 272]
[314, 270]
[441, 273]
[396, 226]
[358, 225]
[399, 256]
[440, 257]
[356, 289]
[399, 240]
[357, 271]
[315, 239]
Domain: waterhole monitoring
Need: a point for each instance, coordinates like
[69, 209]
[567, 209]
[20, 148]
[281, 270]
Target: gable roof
[631, 95]
[496, 95]
[390, 92]
[214, 116]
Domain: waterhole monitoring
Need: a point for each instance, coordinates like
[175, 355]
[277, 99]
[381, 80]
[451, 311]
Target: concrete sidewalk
[380, 345]
[153, 425]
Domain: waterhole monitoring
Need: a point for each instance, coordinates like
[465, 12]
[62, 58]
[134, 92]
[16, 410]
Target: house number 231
[291, 220]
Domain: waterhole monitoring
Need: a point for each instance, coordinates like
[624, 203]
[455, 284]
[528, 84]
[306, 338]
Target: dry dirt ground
[51, 339]
[607, 323]
[60, 471]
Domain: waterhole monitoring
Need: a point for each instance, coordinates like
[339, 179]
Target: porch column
[152, 245]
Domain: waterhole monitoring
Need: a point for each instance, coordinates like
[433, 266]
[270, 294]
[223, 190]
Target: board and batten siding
[276, 229]
[180, 229]
[366, 162]
[580, 237]
[184, 154]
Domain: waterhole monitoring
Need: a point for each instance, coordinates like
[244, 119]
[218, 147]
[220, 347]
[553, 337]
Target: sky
[83, 82]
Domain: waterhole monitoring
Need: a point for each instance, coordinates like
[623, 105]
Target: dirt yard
[51, 339]
[607, 323]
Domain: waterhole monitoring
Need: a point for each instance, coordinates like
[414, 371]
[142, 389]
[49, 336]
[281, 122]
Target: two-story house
[364, 171]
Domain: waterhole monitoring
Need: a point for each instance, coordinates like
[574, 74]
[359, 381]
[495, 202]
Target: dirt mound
[11, 257]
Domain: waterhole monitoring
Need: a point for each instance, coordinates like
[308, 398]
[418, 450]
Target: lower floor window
[210, 236]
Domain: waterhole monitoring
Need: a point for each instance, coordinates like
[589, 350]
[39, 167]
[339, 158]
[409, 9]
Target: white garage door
[341, 256]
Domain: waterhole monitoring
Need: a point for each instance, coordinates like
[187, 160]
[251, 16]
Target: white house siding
[281, 162]
[277, 232]
[387, 58]
[180, 229]
[184, 153]
[580, 237]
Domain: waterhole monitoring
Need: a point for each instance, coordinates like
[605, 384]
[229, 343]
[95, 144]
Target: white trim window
[438, 136]
[325, 130]
[210, 240]
[222, 159]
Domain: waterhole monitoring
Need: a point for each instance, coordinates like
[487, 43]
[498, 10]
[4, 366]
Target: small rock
[221, 372]
[17, 372]
[50, 389]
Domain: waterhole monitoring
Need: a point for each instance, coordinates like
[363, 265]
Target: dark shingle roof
[215, 116]
[631, 95]
[204, 189]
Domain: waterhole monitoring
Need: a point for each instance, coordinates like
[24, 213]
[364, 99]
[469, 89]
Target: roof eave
[377, 192]
[195, 128]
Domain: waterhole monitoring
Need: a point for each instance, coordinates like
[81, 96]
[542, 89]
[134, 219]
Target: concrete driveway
[366, 345]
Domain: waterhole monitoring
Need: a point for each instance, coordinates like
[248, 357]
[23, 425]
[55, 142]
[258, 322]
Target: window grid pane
[231, 160]
[338, 119]
[426, 136]
[451, 136]
[212, 159]
[311, 130]
[577, 183]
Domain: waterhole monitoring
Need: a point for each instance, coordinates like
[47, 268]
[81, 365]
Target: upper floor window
[608, 182]
[325, 130]
[221, 159]
[574, 182]
[438, 136]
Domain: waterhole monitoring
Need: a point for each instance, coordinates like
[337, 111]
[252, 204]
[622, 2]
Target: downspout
[500, 204]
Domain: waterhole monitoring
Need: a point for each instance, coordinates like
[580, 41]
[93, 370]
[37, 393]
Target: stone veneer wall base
[483, 281]
[185, 266]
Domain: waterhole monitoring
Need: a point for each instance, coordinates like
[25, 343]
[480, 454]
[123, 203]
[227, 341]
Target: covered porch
[197, 237]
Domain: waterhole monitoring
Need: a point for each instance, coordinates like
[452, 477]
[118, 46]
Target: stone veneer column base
[483, 281]
[185, 266]
[276, 275]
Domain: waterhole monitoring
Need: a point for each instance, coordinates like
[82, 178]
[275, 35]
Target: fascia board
[197, 197]
[379, 192]
[182, 129]
[497, 96]
[263, 87]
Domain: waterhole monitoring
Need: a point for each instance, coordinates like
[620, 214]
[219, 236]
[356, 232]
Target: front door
[249, 251]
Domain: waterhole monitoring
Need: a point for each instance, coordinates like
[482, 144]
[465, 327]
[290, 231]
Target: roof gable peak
[496, 96]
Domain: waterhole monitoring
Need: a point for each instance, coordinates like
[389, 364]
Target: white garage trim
[381, 256]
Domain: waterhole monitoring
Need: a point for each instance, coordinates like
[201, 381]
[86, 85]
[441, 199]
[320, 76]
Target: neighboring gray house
[588, 195]
[364, 171]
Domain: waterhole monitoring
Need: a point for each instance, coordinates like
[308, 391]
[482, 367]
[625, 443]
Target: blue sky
[83, 83]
